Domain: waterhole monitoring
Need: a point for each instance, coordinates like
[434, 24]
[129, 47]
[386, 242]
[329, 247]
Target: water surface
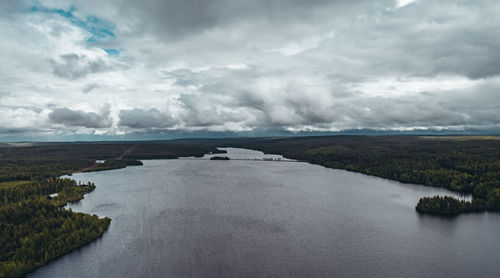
[202, 218]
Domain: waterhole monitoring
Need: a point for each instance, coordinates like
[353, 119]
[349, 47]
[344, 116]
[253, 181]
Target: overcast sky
[122, 68]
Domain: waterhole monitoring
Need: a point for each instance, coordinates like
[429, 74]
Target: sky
[159, 69]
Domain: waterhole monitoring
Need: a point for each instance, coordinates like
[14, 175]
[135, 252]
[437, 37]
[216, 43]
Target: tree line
[35, 228]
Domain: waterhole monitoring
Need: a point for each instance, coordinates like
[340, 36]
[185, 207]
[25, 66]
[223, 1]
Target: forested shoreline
[34, 226]
[465, 164]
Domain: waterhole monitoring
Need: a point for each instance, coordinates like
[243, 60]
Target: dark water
[201, 218]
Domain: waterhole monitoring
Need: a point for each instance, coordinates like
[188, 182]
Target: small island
[484, 198]
[449, 206]
[219, 158]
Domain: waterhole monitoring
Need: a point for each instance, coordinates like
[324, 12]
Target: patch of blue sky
[113, 51]
[98, 28]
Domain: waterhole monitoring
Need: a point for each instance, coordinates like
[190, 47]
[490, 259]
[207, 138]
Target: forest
[446, 205]
[35, 228]
[219, 158]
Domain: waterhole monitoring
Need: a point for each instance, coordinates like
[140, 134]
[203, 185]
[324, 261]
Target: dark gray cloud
[90, 87]
[426, 38]
[139, 118]
[215, 111]
[74, 66]
[174, 18]
[17, 130]
[79, 118]
[433, 37]
[7, 7]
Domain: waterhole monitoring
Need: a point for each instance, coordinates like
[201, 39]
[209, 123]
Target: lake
[199, 218]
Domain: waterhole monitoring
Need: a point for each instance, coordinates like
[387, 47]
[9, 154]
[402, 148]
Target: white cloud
[392, 87]
[297, 47]
[402, 3]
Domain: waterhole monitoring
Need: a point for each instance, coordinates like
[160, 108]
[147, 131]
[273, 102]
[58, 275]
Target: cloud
[402, 3]
[139, 118]
[74, 66]
[17, 120]
[240, 66]
[79, 118]
[179, 18]
[9, 6]
[90, 87]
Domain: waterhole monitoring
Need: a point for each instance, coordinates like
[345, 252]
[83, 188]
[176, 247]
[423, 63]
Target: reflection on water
[202, 218]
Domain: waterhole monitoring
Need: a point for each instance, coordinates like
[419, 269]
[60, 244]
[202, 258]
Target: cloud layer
[78, 118]
[126, 67]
